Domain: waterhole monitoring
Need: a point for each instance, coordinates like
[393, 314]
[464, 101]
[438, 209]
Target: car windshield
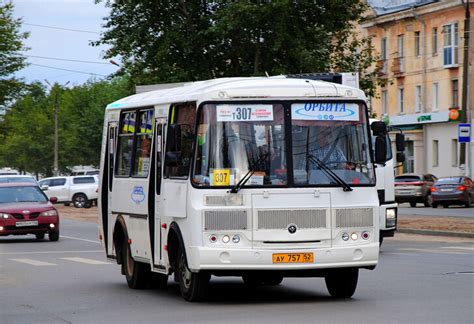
[407, 178]
[17, 179]
[238, 139]
[21, 194]
[450, 180]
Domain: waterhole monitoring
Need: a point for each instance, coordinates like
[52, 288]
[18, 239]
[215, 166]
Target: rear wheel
[136, 273]
[192, 285]
[80, 200]
[342, 283]
[53, 236]
[413, 204]
[39, 236]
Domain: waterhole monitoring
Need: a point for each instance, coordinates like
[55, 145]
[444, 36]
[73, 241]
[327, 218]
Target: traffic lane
[411, 277]
[455, 211]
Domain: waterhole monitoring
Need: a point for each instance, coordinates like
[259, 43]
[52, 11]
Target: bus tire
[342, 283]
[136, 273]
[192, 285]
[158, 280]
[273, 280]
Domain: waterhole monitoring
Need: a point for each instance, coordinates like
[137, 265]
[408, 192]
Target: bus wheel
[193, 286]
[136, 273]
[158, 280]
[342, 283]
[273, 280]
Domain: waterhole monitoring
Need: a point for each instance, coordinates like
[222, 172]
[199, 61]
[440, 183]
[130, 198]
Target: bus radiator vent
[281, 218]
[354, 217]
[216, 220]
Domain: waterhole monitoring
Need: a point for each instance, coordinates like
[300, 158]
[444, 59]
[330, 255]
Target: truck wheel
[136, 273]
[53, 236]
[342, 283]
[79, 200]
[193, 286]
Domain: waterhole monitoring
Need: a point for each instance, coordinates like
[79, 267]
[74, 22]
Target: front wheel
[136, 273]
[342, 283]
[80, 201]
[53, 236]
[192, 285]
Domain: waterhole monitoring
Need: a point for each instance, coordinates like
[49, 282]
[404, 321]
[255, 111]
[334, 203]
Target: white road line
[433, 251]
[51, 252]
[34, 262]
[84, 260]
[79, 239]
[458, 248]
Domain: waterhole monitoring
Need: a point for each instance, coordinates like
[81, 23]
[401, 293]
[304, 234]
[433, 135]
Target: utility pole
[56, 129]
[463, 156]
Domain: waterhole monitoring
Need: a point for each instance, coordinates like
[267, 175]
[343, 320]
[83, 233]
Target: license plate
[28, 223]
[307, 257]
[444, 190]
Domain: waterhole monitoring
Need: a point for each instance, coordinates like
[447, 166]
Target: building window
[400, 48]
[454, 152]
[435, 153]
[409, 165]
[455, 93]
[434, 41]
[384, 102]
[450, 44]
[435, 97]
[383, 54]
[418, 99]
[417, 43]
[401, 101]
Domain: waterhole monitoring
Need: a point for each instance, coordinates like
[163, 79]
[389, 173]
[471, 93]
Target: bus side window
[125, 144]
[184, 117]
[144, 135]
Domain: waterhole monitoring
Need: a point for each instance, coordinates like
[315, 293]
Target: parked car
[82, 191]
[452, 191]
[17, 178]
[414, 188]
[25, 209]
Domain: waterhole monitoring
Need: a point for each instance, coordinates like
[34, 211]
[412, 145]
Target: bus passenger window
[141, 166]
[183, 116]
[125, 143]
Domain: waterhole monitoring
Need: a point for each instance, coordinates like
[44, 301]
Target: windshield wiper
[320, 164]
[249, 174]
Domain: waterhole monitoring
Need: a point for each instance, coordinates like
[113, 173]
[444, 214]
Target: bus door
[157, 239]
[107, 181]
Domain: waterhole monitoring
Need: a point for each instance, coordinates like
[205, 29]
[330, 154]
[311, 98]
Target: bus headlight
[390, 217]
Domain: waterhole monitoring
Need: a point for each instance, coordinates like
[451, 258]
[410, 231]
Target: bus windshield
[234, 140]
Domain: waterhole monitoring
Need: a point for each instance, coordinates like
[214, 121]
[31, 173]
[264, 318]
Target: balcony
[398, 66]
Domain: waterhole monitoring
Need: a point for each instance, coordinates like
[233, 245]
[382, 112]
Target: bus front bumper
[204, 258]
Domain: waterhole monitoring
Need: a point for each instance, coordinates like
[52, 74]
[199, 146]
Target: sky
[46, 43]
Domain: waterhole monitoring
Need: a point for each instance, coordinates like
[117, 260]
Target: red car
[25, 209]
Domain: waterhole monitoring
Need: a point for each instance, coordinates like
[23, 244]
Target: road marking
[34, 262]
[458, 248]
[51, 252]
[433, 251]
[395, 253]
[79, 239]
[84, 260]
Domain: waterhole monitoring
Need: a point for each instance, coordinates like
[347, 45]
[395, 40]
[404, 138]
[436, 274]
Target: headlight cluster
[51, 212]
[213, 238]
[365, 235]
[5, 216]
[391, 217]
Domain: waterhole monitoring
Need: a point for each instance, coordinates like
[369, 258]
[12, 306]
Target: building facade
[421, 48]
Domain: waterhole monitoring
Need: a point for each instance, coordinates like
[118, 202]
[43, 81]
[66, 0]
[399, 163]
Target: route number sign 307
[244, 113]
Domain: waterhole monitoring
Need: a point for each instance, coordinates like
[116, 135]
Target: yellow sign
[307, 257]
[221, 177]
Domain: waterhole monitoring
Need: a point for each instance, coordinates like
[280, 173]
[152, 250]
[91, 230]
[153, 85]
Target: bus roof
[279, 87]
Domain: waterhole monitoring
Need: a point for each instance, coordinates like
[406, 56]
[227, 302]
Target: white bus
[262, 178]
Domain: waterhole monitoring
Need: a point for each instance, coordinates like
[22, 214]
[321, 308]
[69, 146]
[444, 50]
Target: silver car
[414, 188]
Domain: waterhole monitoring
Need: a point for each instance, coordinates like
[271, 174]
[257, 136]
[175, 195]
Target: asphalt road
[418, 280]
[420, 210]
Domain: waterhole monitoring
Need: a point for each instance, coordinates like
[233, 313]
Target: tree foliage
[11, 61]
[26, 133]
[170, 41]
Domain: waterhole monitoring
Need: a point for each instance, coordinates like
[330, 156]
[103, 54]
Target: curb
[435, 233]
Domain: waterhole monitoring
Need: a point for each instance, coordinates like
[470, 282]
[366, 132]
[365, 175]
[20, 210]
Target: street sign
[464, 133]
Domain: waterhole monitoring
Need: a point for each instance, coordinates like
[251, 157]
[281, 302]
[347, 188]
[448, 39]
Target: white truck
[81, 191]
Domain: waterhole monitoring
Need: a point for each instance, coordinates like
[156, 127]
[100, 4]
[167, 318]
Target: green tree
[170, 41]
[11, 61]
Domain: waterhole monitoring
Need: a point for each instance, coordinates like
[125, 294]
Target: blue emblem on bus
[138, 195]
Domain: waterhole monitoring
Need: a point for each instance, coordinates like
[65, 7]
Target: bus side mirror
[380, 150]
[400, 142]
[400, 157]
[378, 128]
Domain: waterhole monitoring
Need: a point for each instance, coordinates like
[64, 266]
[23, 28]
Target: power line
[56, 68]
[62, 59]
[61, 28]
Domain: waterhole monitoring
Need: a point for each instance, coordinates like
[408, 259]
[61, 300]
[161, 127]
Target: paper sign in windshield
[229, 113]
[325, 111]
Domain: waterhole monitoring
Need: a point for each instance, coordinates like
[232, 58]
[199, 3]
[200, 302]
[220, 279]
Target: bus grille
[215, 220]
[354, 217]
[281, 218]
